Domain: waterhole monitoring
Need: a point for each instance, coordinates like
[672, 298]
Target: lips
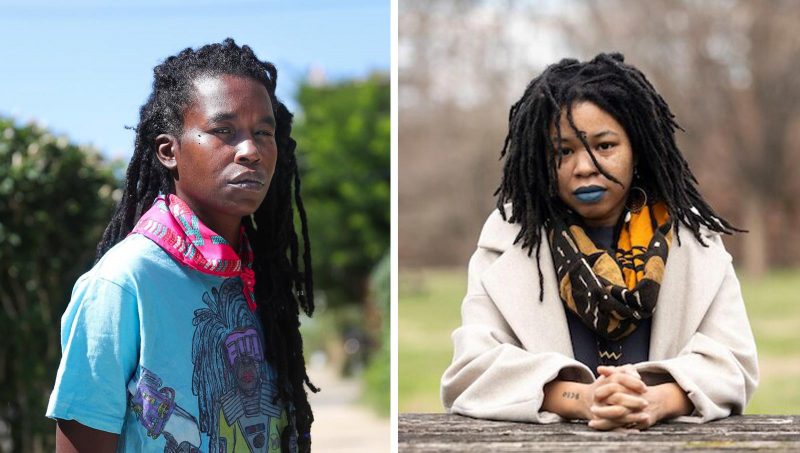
[249, 180]
[589, 194]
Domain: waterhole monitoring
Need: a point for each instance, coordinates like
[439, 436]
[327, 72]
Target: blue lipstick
[589, 194]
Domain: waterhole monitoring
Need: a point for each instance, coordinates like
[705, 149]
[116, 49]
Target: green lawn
[430, 300]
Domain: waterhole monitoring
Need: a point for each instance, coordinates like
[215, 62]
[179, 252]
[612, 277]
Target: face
[247, 375]
[597, 199]
[224, 160]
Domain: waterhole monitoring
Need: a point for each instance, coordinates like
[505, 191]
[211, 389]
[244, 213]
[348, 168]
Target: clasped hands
[620, 400]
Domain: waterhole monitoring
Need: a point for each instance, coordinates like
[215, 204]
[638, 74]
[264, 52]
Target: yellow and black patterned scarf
[611, 294]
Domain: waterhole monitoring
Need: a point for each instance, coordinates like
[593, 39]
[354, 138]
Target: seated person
[600, 289]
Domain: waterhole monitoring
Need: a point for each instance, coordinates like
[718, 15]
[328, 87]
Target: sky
[83, 68]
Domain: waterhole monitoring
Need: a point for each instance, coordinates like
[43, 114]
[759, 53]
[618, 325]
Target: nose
[247, 151]
[584, 165]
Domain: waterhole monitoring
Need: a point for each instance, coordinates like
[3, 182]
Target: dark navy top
[586, 344]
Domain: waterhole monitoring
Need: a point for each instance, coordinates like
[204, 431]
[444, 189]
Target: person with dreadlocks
[184, 336]
[600, 289]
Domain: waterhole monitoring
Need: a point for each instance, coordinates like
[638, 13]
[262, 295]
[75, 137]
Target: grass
[774, 311]
[429, 310]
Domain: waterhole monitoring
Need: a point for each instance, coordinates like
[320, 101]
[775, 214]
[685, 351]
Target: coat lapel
[512, 282]
[692, 276]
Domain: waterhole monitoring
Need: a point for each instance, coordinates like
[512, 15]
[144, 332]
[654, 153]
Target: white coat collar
[691, 278]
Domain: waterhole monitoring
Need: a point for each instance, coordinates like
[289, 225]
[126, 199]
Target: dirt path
[341, 424]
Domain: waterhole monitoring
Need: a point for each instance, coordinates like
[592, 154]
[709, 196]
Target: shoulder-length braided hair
[529, 179]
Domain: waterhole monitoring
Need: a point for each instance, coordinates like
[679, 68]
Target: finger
[646, 420]
[631, 421]
[610, 412]
[606, 370]
[619, 412]
[634, 403]
[606, 390]
[629, 381]
[612, 425]
[602, 424]
[629, 369]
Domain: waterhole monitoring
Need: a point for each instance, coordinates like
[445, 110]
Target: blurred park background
[74, 77]
[728, 70]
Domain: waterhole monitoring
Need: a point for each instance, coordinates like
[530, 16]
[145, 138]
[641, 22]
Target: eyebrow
[596, 135]
[227, 116]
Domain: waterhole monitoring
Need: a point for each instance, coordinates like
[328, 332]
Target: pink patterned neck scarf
[174, 227]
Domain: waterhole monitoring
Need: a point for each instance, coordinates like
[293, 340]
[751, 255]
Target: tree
[726, 68]
[462, 64]
[729, 70]
[343, 143]
[55, 200]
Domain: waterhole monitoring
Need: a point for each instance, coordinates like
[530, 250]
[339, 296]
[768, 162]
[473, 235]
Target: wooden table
[447, 433]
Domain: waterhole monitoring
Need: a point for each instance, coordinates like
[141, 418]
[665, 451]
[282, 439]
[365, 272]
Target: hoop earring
[635, 203]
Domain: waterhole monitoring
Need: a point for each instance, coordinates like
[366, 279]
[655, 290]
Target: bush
[55, 200]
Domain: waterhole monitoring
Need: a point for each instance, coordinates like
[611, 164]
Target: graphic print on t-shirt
[156, 410]
[234, 386]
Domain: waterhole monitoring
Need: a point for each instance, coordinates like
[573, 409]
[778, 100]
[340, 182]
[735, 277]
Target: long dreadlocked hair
[282, 287]
[529, 173]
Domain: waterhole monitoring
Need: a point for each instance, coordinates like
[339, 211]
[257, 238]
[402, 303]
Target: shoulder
[498, 234]
[711, 245]
[135, 251]
[129, 261]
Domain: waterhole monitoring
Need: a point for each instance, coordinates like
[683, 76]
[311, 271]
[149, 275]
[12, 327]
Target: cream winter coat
[510, 344]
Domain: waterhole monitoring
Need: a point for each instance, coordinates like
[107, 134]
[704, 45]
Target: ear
[167, 146]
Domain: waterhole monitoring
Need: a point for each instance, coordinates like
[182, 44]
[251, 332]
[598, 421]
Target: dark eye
[605, 146]
[565, 151]
[222, 130]
[265, 133]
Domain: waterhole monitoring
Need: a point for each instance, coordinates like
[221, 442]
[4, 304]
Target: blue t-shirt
[166, 356]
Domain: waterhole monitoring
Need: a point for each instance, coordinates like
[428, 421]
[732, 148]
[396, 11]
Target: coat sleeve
[717, 368]
[492, 376]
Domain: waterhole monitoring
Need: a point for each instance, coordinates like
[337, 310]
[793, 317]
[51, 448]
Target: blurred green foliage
[55, 201]
[429, 310]
[343, 137]
[343, 146]
[377, 376]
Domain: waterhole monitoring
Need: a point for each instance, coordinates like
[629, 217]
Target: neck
[229, 232]
[609, 220]
[224, 225]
